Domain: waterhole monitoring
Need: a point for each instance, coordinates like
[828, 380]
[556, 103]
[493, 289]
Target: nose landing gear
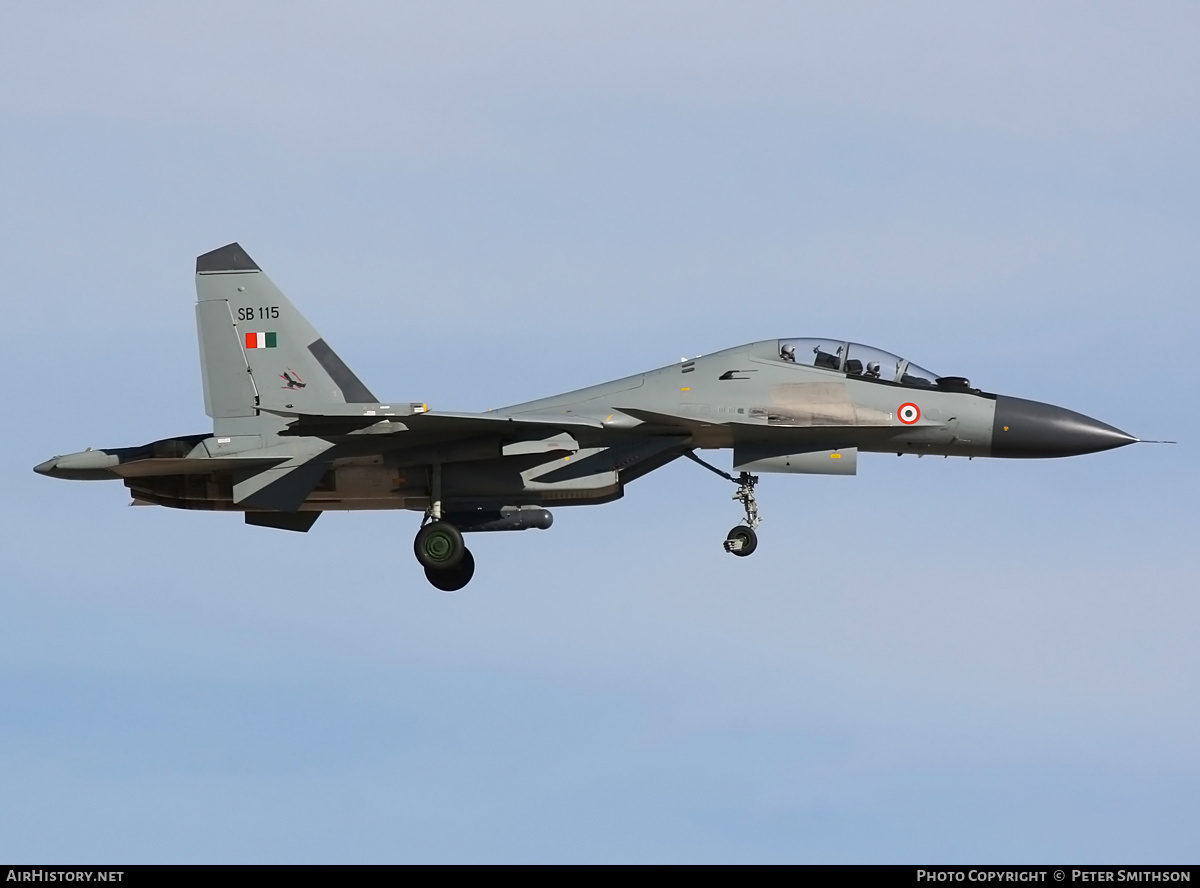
[742, 540]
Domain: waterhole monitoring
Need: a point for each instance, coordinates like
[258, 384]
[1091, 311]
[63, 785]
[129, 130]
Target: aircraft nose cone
[1033, 429]
[47, 467]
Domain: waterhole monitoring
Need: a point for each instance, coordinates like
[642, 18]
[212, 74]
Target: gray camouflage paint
[294, 430]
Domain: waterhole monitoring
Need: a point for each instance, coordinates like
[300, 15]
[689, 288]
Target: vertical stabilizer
[256, 349]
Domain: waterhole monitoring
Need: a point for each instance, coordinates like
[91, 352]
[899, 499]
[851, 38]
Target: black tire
[744, 535]
[454, 578]
[439, 546]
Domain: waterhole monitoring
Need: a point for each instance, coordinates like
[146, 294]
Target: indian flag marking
[260, 340]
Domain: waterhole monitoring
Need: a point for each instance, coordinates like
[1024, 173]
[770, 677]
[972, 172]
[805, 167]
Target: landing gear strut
[742, 540]
[745, 495]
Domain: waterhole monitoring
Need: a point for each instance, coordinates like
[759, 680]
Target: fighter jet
[321, 441]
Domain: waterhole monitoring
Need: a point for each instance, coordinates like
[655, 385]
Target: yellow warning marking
[1006, 428]
[685, 389]
[835, 456]
[609, 419]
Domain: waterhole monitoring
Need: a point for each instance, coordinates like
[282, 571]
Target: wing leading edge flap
[146, 468]
[347, 422]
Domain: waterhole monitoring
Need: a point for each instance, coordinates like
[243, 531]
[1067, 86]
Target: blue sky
[476, 204]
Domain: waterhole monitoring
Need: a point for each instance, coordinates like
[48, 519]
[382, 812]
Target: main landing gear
[448, 562]
[439, 545]
[742, 540]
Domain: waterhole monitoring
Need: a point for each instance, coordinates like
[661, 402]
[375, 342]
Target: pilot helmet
[788, 352]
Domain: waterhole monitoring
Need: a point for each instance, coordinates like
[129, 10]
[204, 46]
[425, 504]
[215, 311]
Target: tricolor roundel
[260, 340]
[908, 413]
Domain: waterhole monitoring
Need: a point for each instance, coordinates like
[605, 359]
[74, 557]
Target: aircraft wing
[146, 468]
[351, 421]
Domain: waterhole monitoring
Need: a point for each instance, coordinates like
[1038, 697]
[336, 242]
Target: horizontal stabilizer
[282, 488]
[301, 522]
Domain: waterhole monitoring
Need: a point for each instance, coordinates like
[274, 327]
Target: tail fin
[256, 349]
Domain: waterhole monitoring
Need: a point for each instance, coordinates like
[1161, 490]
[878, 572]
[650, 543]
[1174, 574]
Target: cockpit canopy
[855, 359]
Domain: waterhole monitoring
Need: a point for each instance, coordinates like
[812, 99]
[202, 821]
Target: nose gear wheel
[741, 541]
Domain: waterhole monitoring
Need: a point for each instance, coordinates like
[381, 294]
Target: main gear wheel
[439, 546]
[454, 578]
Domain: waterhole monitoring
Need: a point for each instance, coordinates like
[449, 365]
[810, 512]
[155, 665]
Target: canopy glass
[854, 359]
